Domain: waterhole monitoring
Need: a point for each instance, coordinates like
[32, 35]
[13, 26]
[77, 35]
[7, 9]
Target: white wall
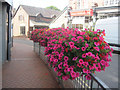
[59, 21]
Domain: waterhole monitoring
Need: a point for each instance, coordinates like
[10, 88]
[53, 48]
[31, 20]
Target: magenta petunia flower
[86, 45]
[77, 74]
[85, 70]
[65, 58]
[55, 60]
[71, 43]
[55, 69]
[60, 66]
[51, 59]
[102, 62]
[89, 54]
[70, 69]
[73, 74]
[96, 48]
[65, 65]
[64, 77]
[88, 77]
[74, 39]
[85, 64]
[59, 73]
[79, 65]
[83, 48]
[75, 58]
[84, 55]
[81, 61]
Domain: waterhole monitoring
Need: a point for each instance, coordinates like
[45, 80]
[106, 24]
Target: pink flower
[65, 58]
[85, 64]
[64, 77]
[98, 69]
[89, 54]
[86, 45]
[59, 73]
[81, 61]
[88, 77]
[106, 64]
[91, 67]
[55, 69]
[102, 62]
[85, 70]
[60, 66]
[97, 44]
[51, 59]
[74, 39]
[65, 65]
[84, 55]
[75, 58]
[77, 74]
[71, 43]
[79, 37]
[73, 74]
[96, 48]
[79, 65]
[83, 48]
[70, 69]
[101, 38]
[55, 60]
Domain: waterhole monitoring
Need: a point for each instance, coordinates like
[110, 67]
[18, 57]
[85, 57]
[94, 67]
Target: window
[111, 2]
[22, 30]
[105, 2]
[87, 18]
[21, 18]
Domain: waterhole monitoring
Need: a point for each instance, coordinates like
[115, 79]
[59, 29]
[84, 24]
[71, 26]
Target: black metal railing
[115, 45]
[94, 83]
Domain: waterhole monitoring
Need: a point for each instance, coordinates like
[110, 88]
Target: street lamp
[69, 18]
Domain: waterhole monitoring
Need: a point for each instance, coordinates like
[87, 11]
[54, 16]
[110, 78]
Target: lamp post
[94, 17]
[69, 18]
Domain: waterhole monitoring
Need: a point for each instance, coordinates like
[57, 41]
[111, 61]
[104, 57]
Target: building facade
[28, 18]
[5, 30]
[81, 12]
[110, 9]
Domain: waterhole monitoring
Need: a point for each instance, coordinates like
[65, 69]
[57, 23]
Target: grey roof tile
[34, 11]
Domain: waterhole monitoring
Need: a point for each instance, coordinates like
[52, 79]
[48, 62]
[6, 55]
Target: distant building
[28, 18]
[81, 12]
[5, 30]
[111, 8]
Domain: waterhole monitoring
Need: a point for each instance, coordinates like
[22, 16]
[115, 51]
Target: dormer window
[21, 18]
[53, 16]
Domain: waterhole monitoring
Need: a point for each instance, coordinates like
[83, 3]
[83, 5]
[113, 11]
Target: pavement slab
[26, 70]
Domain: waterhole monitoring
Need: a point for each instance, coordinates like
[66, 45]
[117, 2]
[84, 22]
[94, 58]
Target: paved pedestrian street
[26, 70]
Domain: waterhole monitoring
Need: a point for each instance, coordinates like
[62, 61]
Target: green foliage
[53, 7]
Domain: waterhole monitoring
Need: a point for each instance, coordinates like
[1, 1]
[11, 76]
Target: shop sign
[82, 13]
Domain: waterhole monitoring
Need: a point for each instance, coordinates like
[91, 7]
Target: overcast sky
[61, 4]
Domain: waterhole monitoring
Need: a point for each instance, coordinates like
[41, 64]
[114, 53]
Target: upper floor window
[21, 18]
[111, 2]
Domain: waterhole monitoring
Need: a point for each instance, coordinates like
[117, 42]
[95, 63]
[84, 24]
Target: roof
[38, 23]
[60, 14]
[10, 2]
[34, 11]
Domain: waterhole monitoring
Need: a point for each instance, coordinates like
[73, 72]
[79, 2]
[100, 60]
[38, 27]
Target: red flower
[66, 49]
[102, 47]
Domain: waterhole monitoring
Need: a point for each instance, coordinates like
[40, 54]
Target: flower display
[71, 51]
